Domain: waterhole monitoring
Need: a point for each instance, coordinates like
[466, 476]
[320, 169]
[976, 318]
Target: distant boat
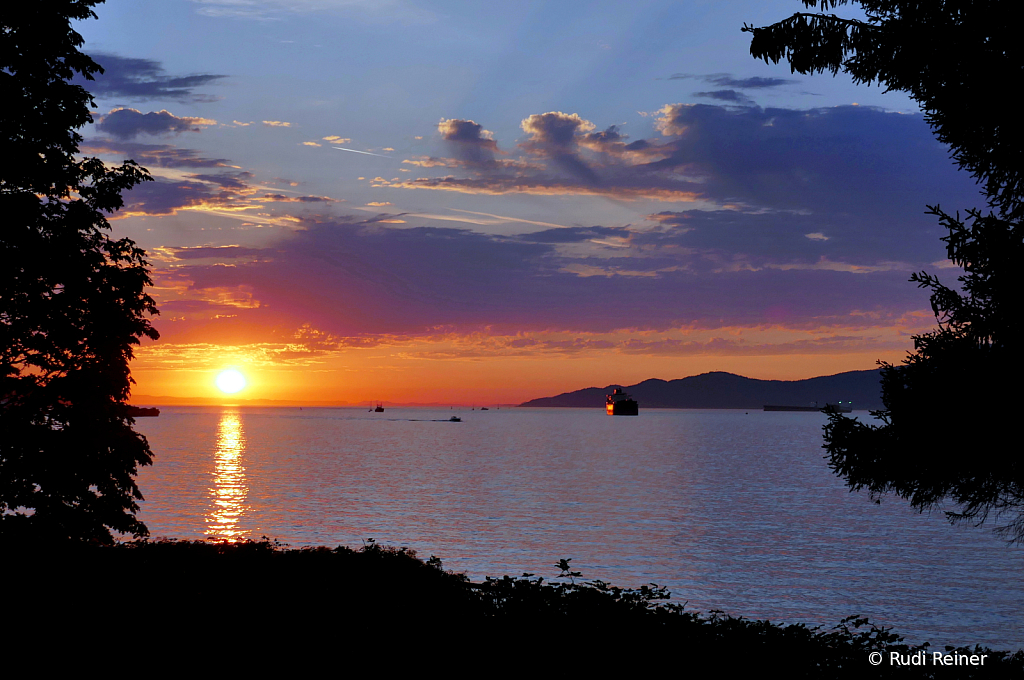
[140, 412]
[484, 408]
[839, 408]
[455, 419]
[380, 408]
[618, 403]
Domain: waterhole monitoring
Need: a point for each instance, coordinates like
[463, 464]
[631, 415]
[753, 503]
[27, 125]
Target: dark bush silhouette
[947, 429]
[72, 299]
[324, 599]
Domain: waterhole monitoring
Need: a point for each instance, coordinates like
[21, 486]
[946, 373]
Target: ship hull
[623, 408]
[840, 409]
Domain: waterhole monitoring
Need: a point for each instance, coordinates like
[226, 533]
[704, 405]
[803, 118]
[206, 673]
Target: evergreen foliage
[72, 299]
[956, 58]
[946, 432]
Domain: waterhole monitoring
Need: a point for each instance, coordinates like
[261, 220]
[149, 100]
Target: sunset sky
[466, 202]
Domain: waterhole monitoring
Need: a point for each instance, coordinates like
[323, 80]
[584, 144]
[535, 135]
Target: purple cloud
[128, 123]
[142, 80]
[360, 278]
[152, 155]
[850, 160]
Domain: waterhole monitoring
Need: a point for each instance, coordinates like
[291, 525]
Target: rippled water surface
[731, 510]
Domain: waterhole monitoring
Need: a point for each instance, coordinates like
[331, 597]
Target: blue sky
[549, 195]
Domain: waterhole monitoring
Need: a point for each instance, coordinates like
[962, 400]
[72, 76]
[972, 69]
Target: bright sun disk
[230, 381]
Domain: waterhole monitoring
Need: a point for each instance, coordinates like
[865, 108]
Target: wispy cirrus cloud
[727, 80]
[153, 155]
[370, 10]
[734, 96]
[281, 198]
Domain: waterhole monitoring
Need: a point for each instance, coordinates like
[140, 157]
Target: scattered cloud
[235, 181]
[143, 80]
[469, 141]
[599, 279]
[167, 197]
[538, 186]
[153, 155]
[726, 80]
[281, 198]
[215, 252]
[367, 10]
[276, 123]
[832, 161]
[554, 130]
[726, 96]
[124, 123]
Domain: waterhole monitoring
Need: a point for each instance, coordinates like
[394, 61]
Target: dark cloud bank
[359, 278]
[822, 222]
[848, 159]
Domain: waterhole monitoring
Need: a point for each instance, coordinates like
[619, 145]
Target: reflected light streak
[229, 489]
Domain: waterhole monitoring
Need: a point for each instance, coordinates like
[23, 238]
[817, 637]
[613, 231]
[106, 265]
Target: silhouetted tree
[956, 59]
[947, 430]
[72, 299]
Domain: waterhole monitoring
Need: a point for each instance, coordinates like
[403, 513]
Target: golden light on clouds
[448, 366]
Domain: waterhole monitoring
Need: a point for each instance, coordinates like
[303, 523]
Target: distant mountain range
[727, 390]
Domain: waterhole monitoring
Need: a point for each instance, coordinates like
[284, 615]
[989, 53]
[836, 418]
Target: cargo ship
[839, 408]
[618, 403]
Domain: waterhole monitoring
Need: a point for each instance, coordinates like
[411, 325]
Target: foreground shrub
[321, 597]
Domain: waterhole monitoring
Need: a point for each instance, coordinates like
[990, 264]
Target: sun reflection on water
[229, 490]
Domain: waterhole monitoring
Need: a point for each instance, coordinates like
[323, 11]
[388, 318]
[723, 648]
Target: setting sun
[230, 381]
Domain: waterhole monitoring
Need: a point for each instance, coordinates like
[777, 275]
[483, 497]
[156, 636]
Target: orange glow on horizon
[315, 367]
[364, 379]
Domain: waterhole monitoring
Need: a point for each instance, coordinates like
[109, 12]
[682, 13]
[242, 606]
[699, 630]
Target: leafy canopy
[72, 299]
[946, 430]
[958, 59]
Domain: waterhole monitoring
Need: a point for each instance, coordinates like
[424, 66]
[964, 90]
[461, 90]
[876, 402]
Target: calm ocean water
[732, 510]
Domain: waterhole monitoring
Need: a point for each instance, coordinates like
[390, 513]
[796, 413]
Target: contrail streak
[341, 148]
